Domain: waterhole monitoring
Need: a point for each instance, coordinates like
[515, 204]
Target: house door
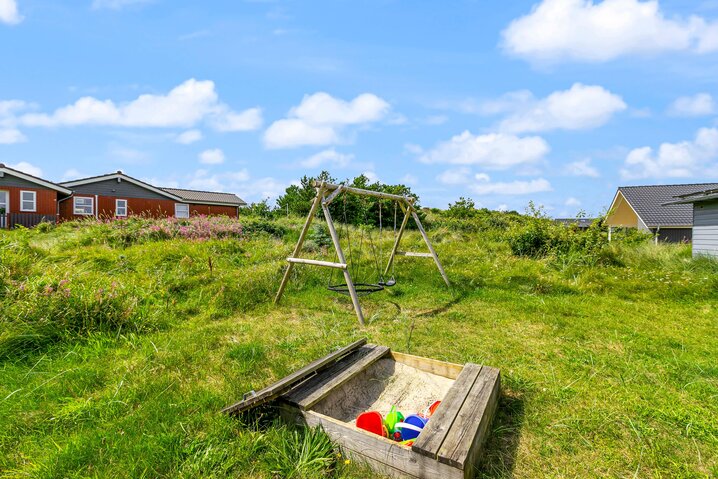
[4, 208]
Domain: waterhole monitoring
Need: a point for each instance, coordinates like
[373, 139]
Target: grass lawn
[608, 370]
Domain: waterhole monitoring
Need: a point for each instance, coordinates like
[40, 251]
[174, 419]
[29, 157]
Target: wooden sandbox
[333, 390]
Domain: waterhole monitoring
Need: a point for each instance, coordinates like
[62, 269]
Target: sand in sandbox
[384, 384]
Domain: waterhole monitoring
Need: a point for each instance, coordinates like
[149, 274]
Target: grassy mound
[119, 345]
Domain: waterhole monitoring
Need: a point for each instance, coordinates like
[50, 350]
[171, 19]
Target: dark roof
[208, 197]
[580, 222]
[119, 174]
[705, 195]
[650, 203]
[35, 179]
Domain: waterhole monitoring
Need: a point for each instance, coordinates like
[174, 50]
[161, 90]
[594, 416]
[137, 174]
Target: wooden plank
[432, 437]
[466, 436]
[414, 254]
[274, 390]
[340, 255]
[308, 397]
[333, 196]
[431, 248]
[315, 262]
[362, 192]
[300, 241]
[312, 383]
[379, 452]
[477, 449]
[440, 368]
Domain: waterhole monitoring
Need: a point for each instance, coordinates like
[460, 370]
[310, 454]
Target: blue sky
[556, 101]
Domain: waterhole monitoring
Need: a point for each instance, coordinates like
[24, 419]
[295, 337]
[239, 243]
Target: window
[28, 200]
[83, 206]
[181, 210]
[120, 207]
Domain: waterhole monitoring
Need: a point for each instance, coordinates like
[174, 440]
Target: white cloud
[327, 157]
[116, 4]
[9, 13]
[413, 148]
[289, 133]
[582, 168]
[436, 119]
[320, 118]
[184, 106]
[571, 201]
[495, 151]
[248, 120]
[371, 176]
[584, 30]
[502, 207]
[578, 108]
[127, 155]
[455, 176]
[73, 174]
[26, 167]
[189, 137]
[239, 182]
[701, 104]
[9, 107]
[674, 160]
[214, 156]
[226, 181]
[323, 109]
[484, 187]
[409, 179]
[8, 136]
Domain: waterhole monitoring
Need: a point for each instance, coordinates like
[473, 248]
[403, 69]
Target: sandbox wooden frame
[451, 445]
[321, 199]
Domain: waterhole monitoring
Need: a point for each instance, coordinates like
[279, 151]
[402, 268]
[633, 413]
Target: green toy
[392, 419]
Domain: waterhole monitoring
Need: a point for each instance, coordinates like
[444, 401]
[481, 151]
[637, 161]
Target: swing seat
[388, 284]
[361, 288]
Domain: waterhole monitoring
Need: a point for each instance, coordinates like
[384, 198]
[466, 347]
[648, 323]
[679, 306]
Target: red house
[117, 195]
[27, 200]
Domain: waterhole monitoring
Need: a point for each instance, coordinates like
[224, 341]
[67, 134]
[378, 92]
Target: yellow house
[645, 208]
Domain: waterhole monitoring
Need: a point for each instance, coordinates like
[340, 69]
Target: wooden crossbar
[315, 262]
[414, 254]
[361, 192]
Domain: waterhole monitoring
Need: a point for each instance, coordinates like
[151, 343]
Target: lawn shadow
[444, 307]
[499, 458]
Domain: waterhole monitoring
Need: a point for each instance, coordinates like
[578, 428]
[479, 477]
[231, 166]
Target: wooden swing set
[326, 193]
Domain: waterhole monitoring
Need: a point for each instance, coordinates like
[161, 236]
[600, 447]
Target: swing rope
[354, 261]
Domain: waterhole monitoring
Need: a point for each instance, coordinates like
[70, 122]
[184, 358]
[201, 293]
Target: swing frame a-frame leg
[407, 206]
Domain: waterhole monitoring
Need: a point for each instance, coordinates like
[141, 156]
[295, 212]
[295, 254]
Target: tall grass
[116, 355]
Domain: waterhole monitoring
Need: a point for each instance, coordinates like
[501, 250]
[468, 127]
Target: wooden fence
[28, 220]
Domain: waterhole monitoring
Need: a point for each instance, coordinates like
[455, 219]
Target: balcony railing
[28, 220]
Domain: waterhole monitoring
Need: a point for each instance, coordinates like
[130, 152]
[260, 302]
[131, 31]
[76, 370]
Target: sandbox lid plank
[316, 388]
[432, 437]
[274, 390]
[468, 432]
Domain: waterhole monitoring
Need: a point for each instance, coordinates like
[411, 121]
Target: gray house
[653, 209]
[705, 221]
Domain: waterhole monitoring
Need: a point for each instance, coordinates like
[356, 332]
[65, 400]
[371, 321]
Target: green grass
[608, 369]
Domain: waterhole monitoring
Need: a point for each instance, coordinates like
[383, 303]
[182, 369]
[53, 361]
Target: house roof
[580, 222]
[207, 197]
[655, 204]
[34, 179]
[123, 177]
[705, 195]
